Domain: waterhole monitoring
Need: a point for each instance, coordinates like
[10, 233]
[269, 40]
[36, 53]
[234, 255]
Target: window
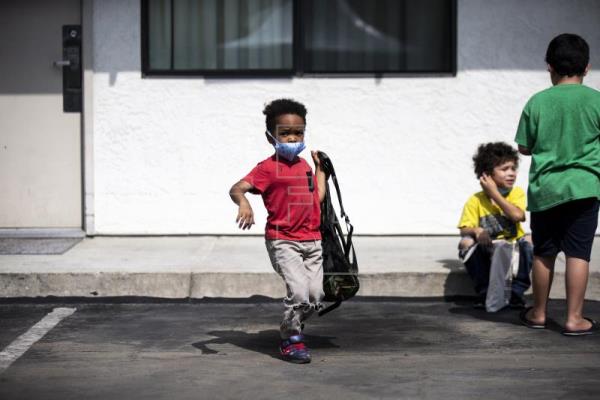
[287, 37]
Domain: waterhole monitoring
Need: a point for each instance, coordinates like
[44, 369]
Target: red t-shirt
[291, 196]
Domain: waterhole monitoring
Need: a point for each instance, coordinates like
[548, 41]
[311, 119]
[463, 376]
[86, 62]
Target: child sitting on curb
[491, 221]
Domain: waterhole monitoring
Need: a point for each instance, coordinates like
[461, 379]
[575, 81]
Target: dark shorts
[568, 227]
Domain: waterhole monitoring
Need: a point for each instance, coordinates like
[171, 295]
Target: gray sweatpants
[300, 264]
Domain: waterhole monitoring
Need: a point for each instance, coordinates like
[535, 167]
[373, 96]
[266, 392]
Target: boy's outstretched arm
[513, 212]
[321, 178]
[245, 217]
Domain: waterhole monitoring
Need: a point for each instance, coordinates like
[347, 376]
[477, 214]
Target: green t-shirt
[561, 128]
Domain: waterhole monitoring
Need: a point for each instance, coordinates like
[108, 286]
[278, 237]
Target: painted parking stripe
[21, 344]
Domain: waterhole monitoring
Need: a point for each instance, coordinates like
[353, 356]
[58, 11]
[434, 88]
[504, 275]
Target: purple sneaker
[294, 350]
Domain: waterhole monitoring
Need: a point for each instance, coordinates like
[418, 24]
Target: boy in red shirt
[292, 195]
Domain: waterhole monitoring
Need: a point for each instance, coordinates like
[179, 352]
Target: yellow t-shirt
[479, 211]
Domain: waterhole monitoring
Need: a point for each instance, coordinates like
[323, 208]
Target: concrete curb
[238, 285]
[236, 267]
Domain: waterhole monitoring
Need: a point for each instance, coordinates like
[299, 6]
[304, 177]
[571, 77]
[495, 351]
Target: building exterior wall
[166, 150]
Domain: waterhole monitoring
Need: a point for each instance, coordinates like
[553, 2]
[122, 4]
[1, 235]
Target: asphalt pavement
[387, 348]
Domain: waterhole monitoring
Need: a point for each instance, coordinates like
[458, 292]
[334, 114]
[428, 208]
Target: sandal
[529, 323]
[583, 332]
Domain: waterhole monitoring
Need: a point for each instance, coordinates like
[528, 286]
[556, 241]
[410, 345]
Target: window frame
[297, 69]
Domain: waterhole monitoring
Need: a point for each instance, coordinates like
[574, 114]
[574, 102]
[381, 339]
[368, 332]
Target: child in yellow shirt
[492, 215]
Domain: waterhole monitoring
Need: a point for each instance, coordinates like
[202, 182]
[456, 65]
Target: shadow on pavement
[556, 308]
[457, 278]
[264, 342]
[464, 304]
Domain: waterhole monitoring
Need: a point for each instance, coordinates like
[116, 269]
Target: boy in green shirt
[560, 129]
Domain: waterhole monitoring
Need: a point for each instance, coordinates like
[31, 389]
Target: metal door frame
[87, 120]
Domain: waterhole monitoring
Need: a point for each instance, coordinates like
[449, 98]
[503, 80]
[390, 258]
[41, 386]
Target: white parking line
[21, 344]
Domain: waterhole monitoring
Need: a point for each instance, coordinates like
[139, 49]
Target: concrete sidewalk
[233, 267]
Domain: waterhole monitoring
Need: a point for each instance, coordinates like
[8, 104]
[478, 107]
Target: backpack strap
[330, 308]
[327, 166]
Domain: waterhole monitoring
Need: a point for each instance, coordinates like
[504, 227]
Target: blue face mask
[504, 191]
[287, 150]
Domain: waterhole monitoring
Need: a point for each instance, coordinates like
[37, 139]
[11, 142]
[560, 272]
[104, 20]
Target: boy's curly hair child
[492, 215]
[292, 194]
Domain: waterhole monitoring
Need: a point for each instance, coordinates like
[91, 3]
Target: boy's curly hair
[490, 155]
[568, 54]
[282, 106]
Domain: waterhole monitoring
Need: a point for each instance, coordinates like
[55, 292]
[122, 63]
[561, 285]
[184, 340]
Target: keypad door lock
[71, 68]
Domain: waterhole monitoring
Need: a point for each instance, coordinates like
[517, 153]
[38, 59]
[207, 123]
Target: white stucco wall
[167, 150]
